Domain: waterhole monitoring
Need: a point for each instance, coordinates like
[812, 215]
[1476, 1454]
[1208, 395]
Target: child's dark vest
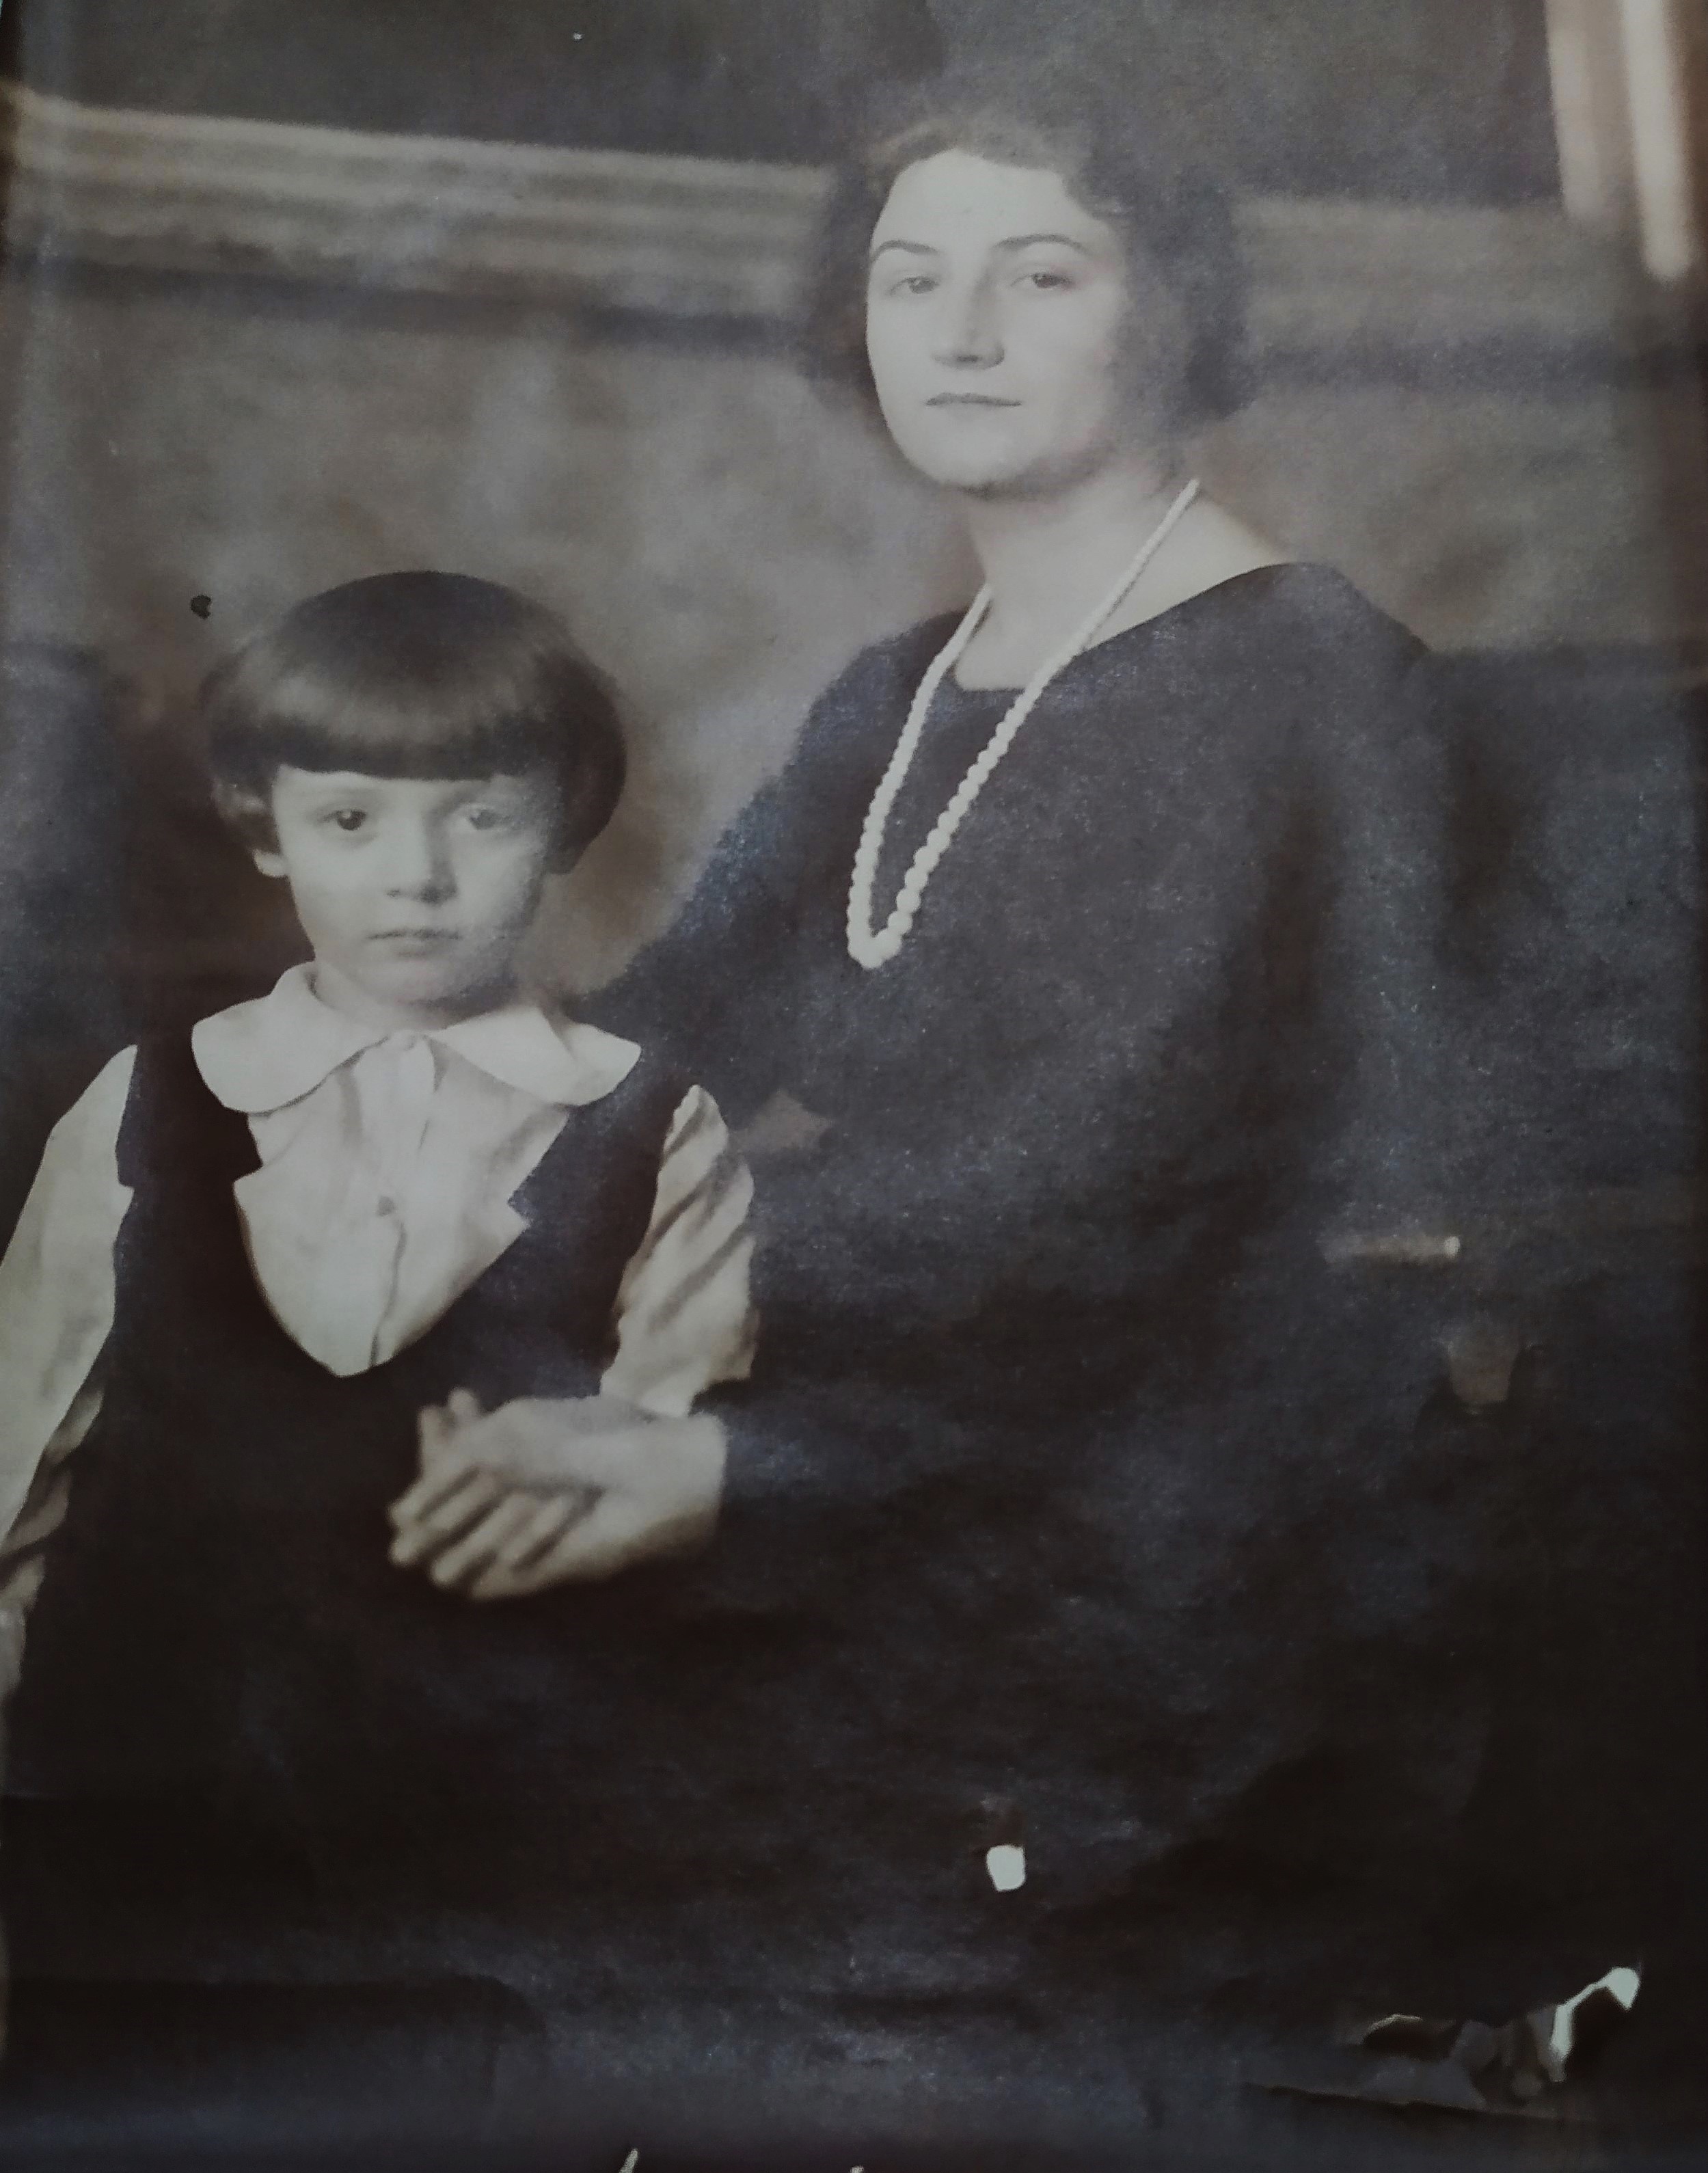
[244, 1743]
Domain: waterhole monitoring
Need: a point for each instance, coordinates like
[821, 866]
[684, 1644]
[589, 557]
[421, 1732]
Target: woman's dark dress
[1108, 1502]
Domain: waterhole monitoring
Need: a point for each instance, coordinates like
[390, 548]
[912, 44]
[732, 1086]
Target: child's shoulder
[76, 1186]
[100, 1106]
[598, 1061]
[248, 1053]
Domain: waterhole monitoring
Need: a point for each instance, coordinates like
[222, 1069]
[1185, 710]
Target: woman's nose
[969, 337]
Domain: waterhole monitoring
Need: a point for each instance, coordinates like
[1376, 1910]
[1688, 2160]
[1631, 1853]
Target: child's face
[416, 893]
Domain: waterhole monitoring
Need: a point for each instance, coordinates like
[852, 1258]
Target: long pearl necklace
[873, 947]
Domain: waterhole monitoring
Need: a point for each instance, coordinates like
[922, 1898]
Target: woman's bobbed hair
[413, 675]
[1127, 168]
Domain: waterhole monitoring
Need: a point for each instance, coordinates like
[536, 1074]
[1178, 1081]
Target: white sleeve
[57, 1290]
[684, 1316]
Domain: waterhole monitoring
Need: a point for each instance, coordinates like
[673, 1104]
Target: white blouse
[388, 1164]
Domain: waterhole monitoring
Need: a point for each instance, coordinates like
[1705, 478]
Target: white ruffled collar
[262, 1054]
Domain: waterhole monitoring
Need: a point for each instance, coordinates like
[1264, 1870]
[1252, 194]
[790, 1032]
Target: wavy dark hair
[1124, 167]
[413, 675]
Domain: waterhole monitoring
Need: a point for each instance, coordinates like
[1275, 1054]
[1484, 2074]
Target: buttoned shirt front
[389, 1159]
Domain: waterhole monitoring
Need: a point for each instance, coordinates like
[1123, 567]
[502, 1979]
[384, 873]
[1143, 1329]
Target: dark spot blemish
[201, 605]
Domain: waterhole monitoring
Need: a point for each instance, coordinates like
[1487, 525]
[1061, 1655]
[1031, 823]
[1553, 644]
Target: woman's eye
[483, 818]
[915, 282]
[1046, 281]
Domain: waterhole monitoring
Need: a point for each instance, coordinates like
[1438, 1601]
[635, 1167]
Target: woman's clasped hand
[548, 1490]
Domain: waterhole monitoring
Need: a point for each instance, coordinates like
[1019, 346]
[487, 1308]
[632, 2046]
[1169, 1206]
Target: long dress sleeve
[712, 992]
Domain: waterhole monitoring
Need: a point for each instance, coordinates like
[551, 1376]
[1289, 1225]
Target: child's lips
[415, 939]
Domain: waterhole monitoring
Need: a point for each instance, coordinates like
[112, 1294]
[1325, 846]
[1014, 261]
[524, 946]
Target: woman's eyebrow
[1012, 245]
[1031, 241]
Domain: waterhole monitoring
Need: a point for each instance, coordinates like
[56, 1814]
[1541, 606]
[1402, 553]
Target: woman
[1070, 984]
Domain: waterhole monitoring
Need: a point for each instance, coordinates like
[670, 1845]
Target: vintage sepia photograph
[851, 1081]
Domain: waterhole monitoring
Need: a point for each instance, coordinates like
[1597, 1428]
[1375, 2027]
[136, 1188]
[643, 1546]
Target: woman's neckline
[1265, 575]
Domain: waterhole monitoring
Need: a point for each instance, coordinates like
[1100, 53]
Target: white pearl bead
[871, 949]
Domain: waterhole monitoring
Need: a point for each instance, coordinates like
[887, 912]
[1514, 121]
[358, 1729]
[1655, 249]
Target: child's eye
[484, 818]
[348, 819]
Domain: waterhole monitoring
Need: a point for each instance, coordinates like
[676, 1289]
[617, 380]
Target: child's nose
[421, 863]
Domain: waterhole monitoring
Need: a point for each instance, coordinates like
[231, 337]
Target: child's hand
[544, 1491]
[451, 1522]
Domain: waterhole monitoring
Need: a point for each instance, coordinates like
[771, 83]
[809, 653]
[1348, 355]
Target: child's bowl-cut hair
[413, 675]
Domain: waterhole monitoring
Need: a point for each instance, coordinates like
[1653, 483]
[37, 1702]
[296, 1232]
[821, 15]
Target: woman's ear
[249, 814]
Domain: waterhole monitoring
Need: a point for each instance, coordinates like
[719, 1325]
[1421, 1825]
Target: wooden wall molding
[723, 240]
[419, 214]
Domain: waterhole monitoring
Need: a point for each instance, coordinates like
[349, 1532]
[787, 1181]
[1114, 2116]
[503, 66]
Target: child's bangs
[419, 729]
[470, 748]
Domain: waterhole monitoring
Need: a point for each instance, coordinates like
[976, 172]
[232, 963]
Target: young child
[328, 1314]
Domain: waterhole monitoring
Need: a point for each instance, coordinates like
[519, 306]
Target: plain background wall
[721, 537]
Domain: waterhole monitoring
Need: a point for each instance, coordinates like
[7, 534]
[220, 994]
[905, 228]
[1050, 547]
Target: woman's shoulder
[1336, 691]
[1304, 608]
[1288, 673]
[1297, 647]
[1358, 675]
[896, 661]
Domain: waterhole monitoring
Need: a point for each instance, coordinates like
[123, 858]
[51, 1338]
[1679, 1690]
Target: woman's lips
[968, 400]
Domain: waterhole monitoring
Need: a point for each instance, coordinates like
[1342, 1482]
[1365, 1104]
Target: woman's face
[1001, 327]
